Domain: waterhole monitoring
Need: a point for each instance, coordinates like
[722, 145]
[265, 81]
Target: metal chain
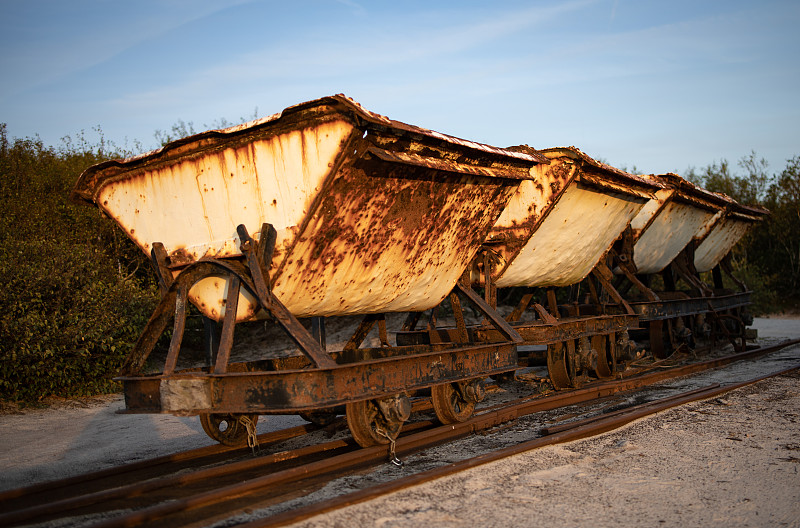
[252, 439]
[392, 456]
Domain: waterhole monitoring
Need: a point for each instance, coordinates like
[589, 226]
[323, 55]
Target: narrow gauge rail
[290, 470]
[592, 427]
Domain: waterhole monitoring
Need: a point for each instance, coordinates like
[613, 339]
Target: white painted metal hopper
[372, 215]
[557, 227]
[670, 220]
[716, 241]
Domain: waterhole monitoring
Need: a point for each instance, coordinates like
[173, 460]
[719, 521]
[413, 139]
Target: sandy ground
[733, 460]
[730, 461]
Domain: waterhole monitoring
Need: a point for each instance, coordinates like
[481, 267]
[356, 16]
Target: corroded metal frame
[662, 310]
[316, 380]
[551, 328]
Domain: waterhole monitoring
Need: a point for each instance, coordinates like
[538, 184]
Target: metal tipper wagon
[555, 232]
[713, 244]
[683, 231]
[325, 209]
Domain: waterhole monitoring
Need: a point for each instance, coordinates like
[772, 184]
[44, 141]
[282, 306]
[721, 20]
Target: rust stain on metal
[372, 215]
[557, 227]
[668, 223]
[719, 239]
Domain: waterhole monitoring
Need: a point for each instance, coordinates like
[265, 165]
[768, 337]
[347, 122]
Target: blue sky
[658, 85]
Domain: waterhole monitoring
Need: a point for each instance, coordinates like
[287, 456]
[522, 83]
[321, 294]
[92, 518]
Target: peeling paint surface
[666, 236]
[399, 247]
[651, 209]
[372, 215]
[194, 205]
[557, 227]
[719, 243]
[572, 239]
[711, 225]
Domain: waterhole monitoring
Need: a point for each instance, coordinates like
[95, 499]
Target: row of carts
[329, 210]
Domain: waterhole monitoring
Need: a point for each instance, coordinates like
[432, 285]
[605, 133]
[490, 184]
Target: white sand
[731, 461]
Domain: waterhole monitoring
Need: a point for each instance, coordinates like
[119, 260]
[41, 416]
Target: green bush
[768, 258]
[75, 292]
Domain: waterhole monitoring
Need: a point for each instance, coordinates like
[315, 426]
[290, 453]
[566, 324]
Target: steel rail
[553, 429]
[488, 418]
[425, 439]
[599, 425]
[38, 500]
[140, 488]
[98, 479]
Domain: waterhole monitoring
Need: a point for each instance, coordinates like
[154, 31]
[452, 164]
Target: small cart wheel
[227, 429]
[605, 346]
[449, 405]
[733, 328]
[561, 365]
[368, 425]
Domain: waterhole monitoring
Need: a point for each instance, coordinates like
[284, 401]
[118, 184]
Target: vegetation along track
[216, 482]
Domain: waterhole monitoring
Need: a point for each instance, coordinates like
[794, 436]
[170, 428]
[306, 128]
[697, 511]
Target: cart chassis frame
[316, 380]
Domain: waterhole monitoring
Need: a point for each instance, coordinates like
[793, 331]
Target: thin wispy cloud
[84, 38]
[617, 77]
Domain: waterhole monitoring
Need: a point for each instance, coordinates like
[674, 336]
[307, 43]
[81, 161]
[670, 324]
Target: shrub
[76, 293]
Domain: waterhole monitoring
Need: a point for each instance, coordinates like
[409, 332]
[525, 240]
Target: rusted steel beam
[684, 268]
[318, 331]
[552, 303]
[668, 309]
[536, 333]
[544, 315]
[604, 275]
[433, 335]
[728, 269]
[258, 271]
[506, 330]
[158, 258]
[458, 314]
[411, 320]
[383, 336]
[177, 329]
[228, 326]
[593, 292]
[284, 391]
[362, 331]
[168, 307]
[523, 305]
[717, 275]
[628, 269]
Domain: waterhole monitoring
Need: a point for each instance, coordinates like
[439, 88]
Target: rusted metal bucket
[667, 224]
[554, 232]
[714, 242]
[557, 227]
[372, 215]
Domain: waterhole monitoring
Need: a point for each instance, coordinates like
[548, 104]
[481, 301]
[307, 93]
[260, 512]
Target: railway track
[202, 485]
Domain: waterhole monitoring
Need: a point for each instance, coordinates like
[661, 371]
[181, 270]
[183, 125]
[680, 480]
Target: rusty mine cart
[325, 209]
